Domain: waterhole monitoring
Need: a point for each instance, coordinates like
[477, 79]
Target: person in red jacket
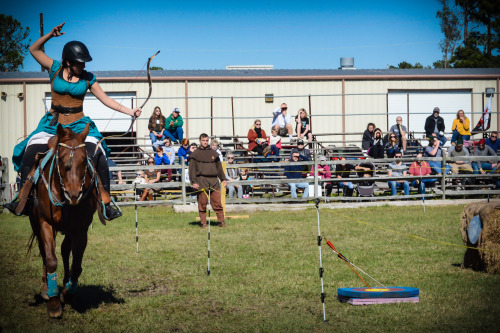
[420, 168]
[256, 136]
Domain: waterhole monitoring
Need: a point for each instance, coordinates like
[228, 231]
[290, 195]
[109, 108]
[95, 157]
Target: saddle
[36, 174]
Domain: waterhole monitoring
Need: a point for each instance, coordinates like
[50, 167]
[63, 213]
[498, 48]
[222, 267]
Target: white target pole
[208, 207]
[323, 295]
[136, 221]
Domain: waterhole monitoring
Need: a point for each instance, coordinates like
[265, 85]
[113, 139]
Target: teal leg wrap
[52, 289]
[71, 287]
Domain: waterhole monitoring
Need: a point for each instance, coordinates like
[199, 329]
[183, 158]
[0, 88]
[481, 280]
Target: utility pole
[41, 34]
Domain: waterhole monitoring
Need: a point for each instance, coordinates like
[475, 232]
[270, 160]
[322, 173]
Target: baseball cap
[176, 110]
[322, 158]
[436, 109]
[482, 142]
[300, 142]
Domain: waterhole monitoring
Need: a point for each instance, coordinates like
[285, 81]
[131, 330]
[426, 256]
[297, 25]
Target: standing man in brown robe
[205, 171]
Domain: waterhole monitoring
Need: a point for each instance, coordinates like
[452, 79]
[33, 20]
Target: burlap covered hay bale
[489, 238]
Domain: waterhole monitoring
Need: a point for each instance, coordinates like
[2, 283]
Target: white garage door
[106, 119]
[421, 104]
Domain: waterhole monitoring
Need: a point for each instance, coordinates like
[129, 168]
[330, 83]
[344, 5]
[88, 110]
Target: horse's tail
[35, 226]
[29, 246]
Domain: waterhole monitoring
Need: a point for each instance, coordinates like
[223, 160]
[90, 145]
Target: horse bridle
[87, 167]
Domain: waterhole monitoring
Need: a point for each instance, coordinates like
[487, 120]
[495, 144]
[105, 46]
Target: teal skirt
[43, 126]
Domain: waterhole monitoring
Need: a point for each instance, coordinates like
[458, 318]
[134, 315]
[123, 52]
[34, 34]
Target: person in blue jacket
[69, 83]
[296, 172]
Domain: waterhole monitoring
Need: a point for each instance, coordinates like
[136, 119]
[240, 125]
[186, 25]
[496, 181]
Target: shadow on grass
[198, 224]
[87, 298]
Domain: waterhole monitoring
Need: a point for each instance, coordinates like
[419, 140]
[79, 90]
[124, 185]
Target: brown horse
[66, 198]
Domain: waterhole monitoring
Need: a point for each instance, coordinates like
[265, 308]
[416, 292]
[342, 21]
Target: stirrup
[111, 212]
[12, 206]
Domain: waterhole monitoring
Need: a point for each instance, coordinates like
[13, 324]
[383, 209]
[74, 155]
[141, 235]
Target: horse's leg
[65, 252]
[79, 244]
[47, 234]
[35, 226]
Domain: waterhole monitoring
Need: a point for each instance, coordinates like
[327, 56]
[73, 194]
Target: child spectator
[214, 144]
[183, 150]
[274, 143]
[231, 175]
[247, 189]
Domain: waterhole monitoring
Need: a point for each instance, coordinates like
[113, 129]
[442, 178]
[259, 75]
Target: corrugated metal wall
[249, 104]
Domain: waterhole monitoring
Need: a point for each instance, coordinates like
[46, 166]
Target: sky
[312, 34]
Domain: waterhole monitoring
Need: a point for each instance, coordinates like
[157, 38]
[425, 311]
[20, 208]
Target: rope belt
[58, 109]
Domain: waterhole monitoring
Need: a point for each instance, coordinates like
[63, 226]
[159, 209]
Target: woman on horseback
[69, 83]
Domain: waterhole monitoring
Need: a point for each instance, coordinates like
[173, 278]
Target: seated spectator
[192, 147]
[233, 174]
[460, 127]
[377, 145]
[139, 179]
[160, 157]
[150, 176]
[434, 127]
[304, 152]
[420, 168]
[400, 130]
[169, 150]
[274, 143]
[398, 169]
[173, 126]
[240, 152]
[282, 122]
[183, 150]
[256, 138]
[343, 171]
[392, 147]
[296, 172]
[458, 166]
[214, 144]
[247, 189]
[155, 126]
[493, 142]
[363, 170]
[324, 173]
[366, 142]
[434, 150]
[303, 127]
[483, 167]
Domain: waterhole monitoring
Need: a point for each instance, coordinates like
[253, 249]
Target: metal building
[226, 102]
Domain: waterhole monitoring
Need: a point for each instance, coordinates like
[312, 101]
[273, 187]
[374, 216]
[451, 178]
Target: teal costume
[63, 87]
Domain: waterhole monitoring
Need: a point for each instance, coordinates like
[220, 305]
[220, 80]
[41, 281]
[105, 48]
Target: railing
[487, 186]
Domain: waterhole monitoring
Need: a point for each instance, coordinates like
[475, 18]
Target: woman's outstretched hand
[56, 31]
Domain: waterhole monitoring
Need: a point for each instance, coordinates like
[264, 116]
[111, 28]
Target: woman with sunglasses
[392, 146]
[256, 137]
[69, 83]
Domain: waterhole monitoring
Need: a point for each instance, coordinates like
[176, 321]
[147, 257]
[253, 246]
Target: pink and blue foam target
[474, 229]
[378, 292]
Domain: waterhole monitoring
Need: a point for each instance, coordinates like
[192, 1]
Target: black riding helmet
[76, 51]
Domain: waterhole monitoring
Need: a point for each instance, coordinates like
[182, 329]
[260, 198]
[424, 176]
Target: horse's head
[71, 159]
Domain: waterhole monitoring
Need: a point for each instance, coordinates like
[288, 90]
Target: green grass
[264, 274]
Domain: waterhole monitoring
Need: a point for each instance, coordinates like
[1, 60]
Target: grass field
[264, 274]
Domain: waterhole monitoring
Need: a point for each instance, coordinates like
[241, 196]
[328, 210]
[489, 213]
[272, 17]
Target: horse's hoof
[54, 308]
[66, 297]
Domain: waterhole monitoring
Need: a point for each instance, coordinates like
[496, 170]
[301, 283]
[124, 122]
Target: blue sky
[121, 35]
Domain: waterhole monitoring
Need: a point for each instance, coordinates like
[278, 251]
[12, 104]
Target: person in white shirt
[282, 122]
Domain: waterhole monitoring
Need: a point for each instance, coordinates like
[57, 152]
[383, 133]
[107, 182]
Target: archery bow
[134, 117]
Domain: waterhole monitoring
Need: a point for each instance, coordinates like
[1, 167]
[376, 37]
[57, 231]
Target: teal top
[61, 86]
[75, 89]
